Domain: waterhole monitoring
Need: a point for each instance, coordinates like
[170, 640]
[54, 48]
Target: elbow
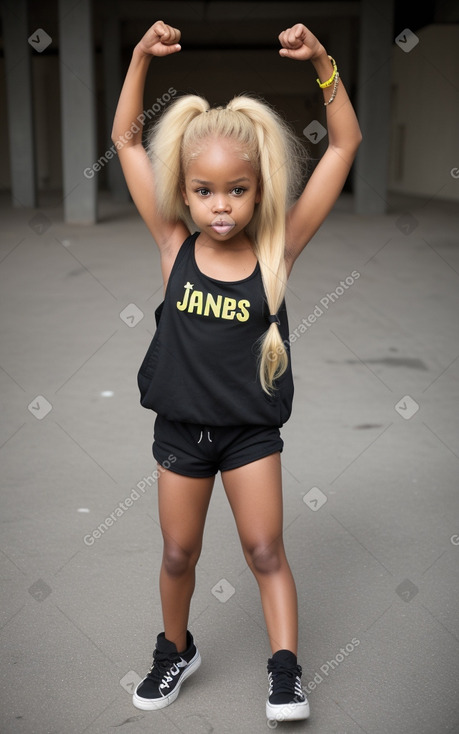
[355, 143]
[356, 146]
[348, 150]
[116, 133]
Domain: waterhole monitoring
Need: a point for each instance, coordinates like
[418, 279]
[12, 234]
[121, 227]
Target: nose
[221, 204]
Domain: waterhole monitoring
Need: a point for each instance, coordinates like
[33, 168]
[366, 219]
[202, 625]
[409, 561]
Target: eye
[238, 190]
[203, 192]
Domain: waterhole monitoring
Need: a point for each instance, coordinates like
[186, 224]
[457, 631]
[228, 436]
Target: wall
[424, 121]
[425, 115]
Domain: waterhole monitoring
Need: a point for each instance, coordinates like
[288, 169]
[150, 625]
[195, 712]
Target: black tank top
[202, 364]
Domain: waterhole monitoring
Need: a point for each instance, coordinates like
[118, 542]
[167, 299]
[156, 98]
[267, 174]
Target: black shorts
[202, 451]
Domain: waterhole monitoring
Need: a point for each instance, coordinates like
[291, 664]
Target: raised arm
[344, 137]
[160, 40]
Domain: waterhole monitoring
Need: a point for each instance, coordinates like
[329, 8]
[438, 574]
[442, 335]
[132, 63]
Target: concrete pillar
[113, 82]
[19, 103]
[78, 111]
[373, 105]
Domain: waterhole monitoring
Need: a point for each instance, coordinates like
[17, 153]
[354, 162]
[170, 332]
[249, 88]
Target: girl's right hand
[160, 40]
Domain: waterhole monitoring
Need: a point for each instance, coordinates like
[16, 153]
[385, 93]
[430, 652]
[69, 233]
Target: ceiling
[239, 23]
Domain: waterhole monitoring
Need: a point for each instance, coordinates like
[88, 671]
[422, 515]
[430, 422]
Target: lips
[222, 226]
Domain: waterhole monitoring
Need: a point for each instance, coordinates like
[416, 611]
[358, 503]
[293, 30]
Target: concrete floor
[370, 484]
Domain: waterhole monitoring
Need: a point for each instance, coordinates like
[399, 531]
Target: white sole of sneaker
[147, 704]
[287, 711]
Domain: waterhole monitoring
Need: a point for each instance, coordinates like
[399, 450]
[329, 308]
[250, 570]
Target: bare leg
[254, 492]
[183, 503]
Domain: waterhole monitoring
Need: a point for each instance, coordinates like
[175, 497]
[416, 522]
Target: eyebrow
[206, 183]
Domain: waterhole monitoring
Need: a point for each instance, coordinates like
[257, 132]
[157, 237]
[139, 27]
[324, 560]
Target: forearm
[342, 124]
[130, 103]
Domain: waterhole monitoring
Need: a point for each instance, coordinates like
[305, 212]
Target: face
[221, 190]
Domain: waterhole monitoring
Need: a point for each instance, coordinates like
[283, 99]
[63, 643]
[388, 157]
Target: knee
[178, 561]
[265, 558]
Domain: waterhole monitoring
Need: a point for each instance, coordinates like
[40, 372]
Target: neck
[239, 242]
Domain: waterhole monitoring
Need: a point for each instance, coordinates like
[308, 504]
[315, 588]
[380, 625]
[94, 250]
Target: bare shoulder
[169, 244]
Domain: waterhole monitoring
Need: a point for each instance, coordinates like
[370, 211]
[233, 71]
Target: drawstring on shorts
[209, 438]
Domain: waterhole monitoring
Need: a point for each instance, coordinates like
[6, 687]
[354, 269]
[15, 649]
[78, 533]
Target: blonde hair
[277, 157]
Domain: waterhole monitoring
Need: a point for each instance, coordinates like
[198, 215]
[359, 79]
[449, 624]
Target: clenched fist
[160, 40]
[299, 43]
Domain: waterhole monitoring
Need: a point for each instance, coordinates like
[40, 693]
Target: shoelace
[162, 663]
[283, 679]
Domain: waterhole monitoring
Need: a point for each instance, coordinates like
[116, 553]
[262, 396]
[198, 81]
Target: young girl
[215, 189]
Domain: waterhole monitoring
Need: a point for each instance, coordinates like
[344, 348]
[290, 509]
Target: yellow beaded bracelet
[329, 82]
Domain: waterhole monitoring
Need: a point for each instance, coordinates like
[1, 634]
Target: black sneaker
[170, 668]
[286, 699]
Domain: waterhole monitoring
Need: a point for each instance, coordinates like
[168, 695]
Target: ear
[185, 198]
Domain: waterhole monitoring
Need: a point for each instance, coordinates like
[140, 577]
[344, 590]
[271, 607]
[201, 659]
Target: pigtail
[280, 172]
[164, 147]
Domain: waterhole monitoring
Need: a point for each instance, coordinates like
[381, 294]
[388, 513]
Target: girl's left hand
[299, 43]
